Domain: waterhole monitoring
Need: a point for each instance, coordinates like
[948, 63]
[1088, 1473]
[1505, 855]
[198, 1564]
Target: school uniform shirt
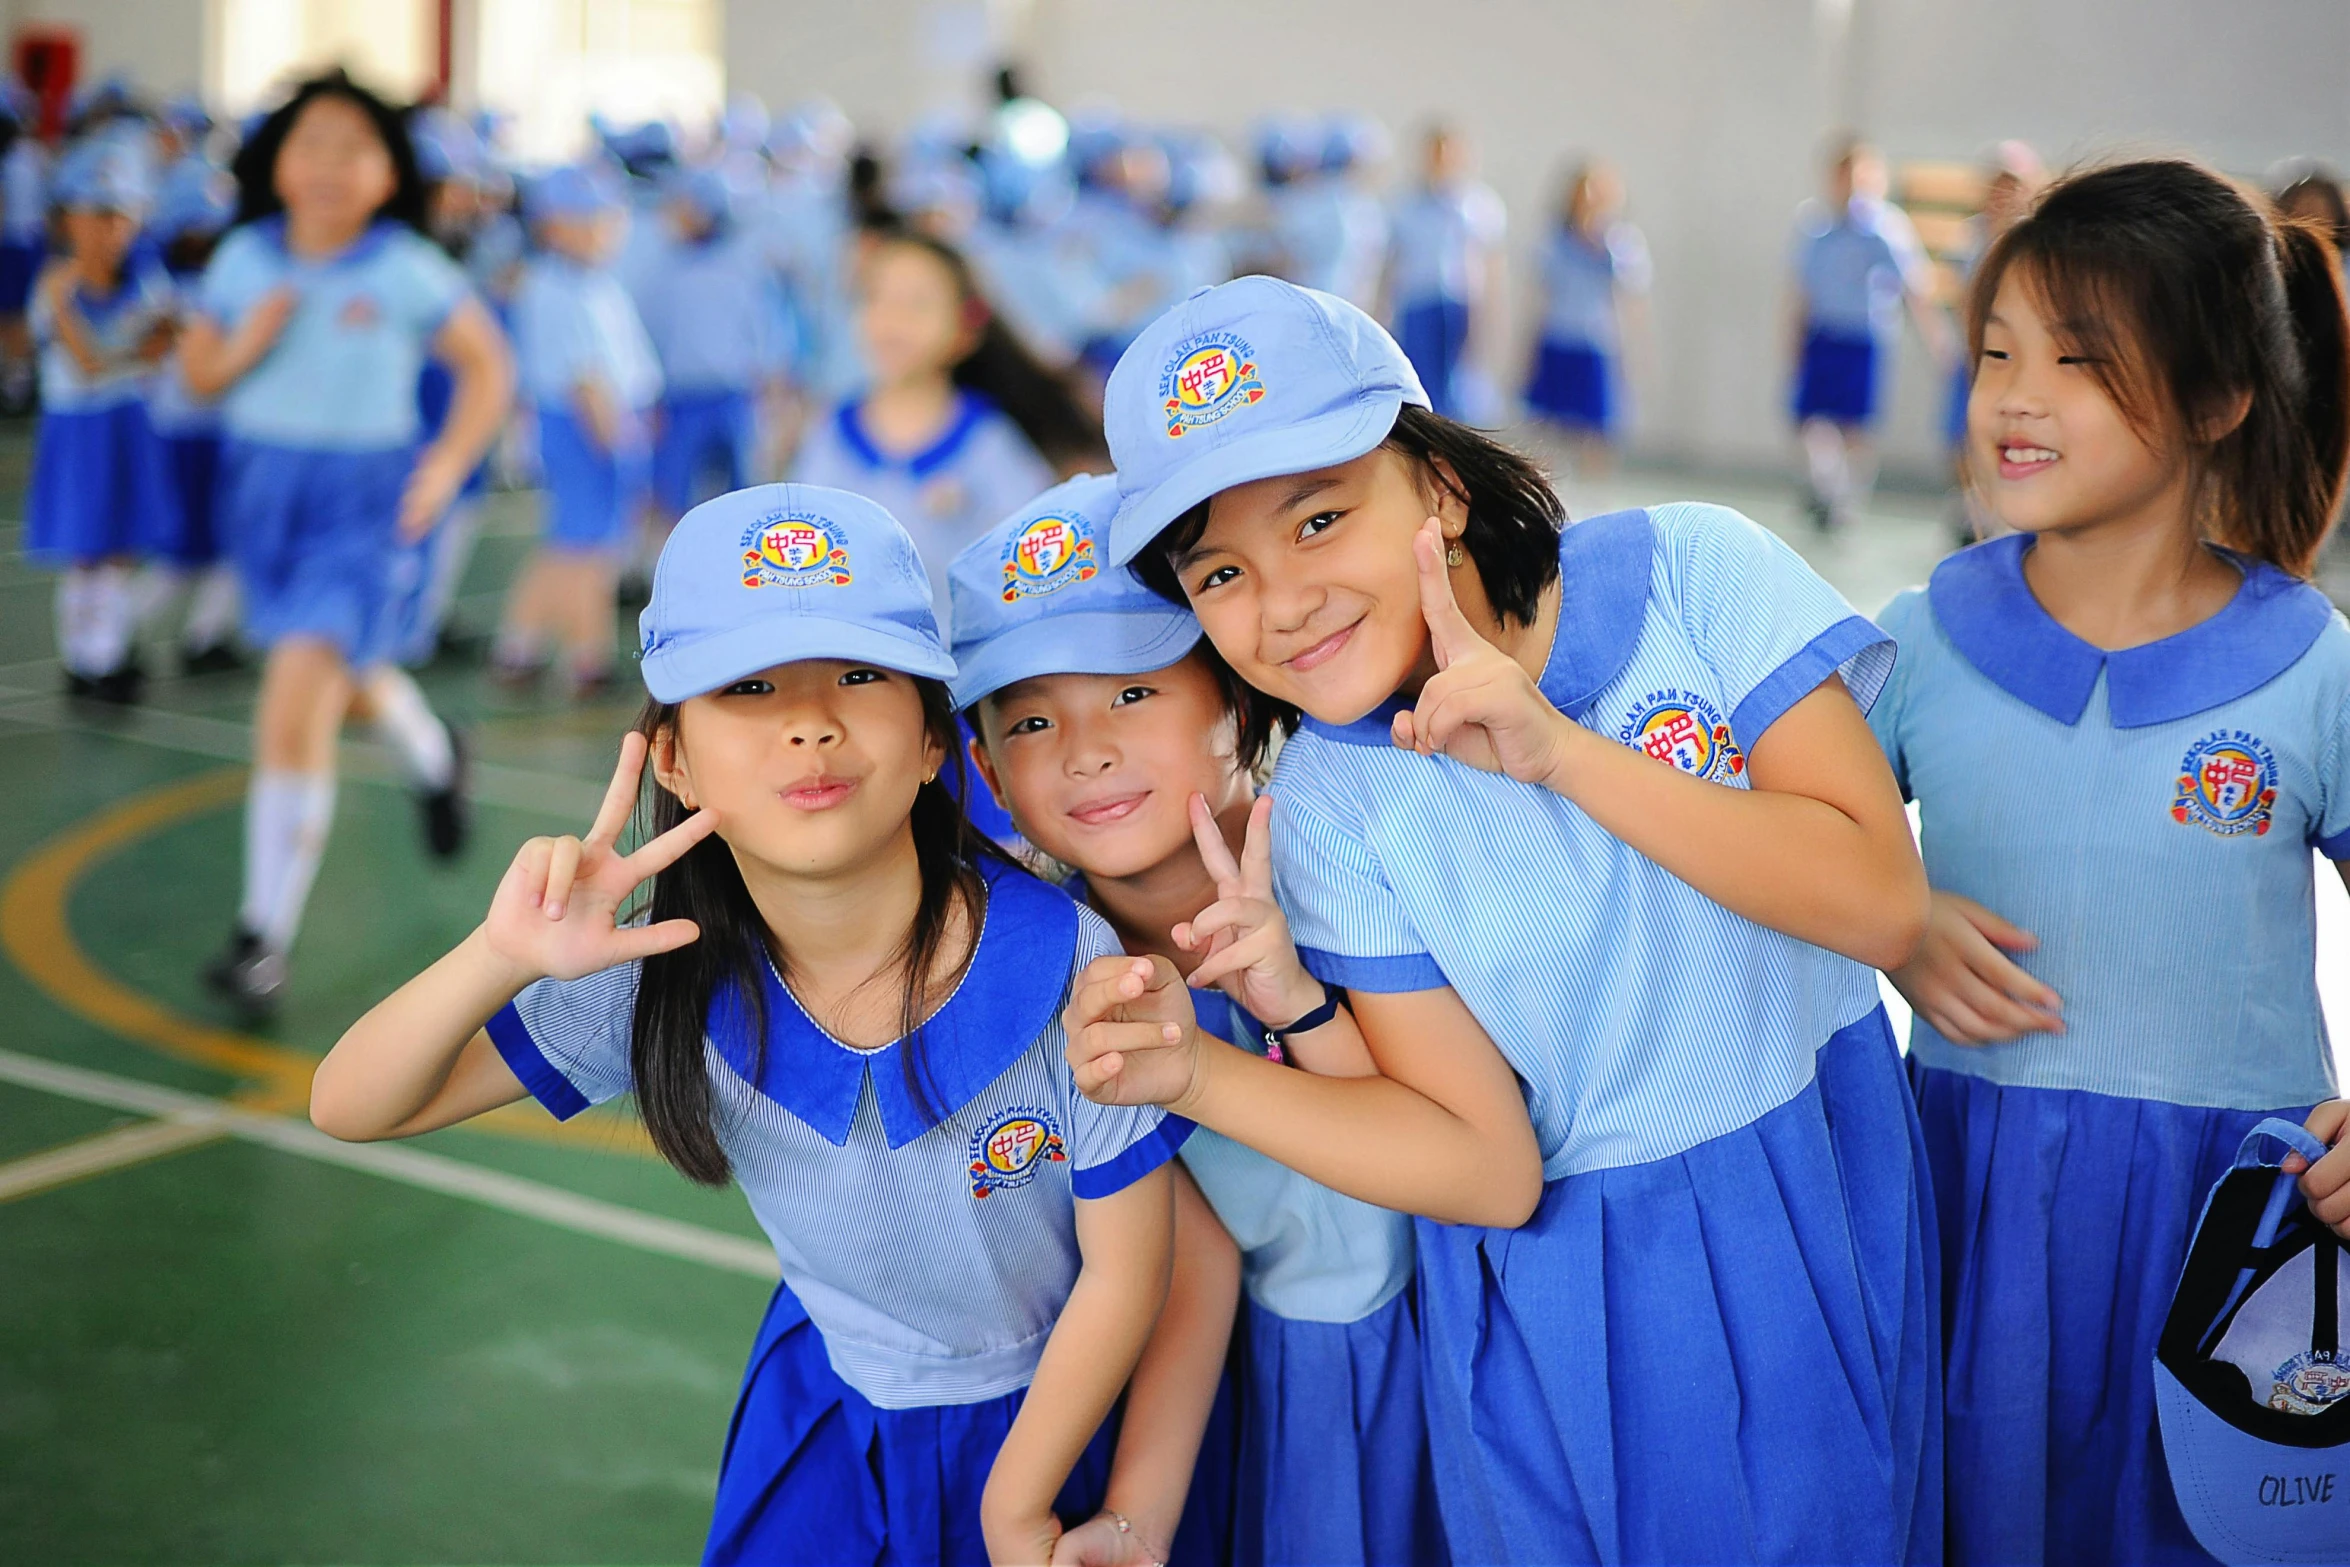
[143, 300]
[2148, 814]
[24, 194]
[977, 472]
[1642, 1017]
[929, 1231]
[1853, 267]
[1437, 240]
[342, 374]
[1582, 279]
[713, 314]
[1333, 235]
[574, 324]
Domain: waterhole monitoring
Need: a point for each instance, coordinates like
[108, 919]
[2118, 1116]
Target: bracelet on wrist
[1276, 1038]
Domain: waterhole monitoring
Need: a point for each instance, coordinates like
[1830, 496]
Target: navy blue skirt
[1574, 386]
[20, 266]
[1334, 1468]
[99, 488]
[1434, 335]
[189, 536]
[1724, 1356]
[705, 447]
[315, 535]
[591, 493]
[1838, 379]
[2065, 1218]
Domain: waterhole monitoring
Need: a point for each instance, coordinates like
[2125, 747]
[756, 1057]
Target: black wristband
[1312, 1020]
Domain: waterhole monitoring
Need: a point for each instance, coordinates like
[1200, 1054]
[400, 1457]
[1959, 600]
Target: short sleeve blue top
[342, 374]
[2148, 814]
[1853, 266]
[574, 324]
[930, 1235]
[1581, 277]
[118, 323]
[1642, 1017]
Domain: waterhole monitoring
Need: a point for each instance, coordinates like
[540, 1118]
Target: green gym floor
[225, 1338]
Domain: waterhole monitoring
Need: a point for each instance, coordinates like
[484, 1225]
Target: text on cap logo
[788, 551]
[1048, 555]
[1209, 377]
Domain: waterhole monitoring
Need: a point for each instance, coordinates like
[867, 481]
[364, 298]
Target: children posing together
[1483, 1142]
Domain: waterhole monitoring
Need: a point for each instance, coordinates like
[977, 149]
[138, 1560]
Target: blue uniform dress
[1851, 268]
[98, 485]
[1437, 242]
[188, 428]
[2149, 815]
[1714, 1341]
[1577, 364]
[926, 1231]
[1332, 1464]
[24, 220]
[574, 324]
[713, 311]
[321, 434]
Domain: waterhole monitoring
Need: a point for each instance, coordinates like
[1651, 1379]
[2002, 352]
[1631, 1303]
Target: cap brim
[2217, 1473]
[1114, 643]
[1320, 442]
[693, 668]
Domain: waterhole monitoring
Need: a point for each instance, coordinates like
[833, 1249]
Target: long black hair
[255, 167]
[1000, 368]
[676, 989]
[2190, 297]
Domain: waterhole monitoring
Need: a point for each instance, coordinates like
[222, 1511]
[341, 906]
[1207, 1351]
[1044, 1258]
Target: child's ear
[2222, 419]
[1450, 497]
[669, 771]
[984, 761]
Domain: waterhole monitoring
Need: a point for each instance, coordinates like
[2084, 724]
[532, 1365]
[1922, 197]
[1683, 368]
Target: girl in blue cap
[843, 999]
[311, 326]
[2119, 978]
[1586, 829]
[1123, 748]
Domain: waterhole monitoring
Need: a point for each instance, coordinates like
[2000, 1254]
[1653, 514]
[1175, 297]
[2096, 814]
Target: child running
[843, 998]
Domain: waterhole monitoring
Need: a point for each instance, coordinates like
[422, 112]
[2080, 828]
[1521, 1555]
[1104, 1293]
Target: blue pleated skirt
[591, 493]
[1434, 335]
[705, 447]
[1333, 1463]
[1838, 379]
[2065, 1218]
[1573, 385]
[189, 532]
[315, 535]
[98, 485]
[1724, 1356]
[20, 267]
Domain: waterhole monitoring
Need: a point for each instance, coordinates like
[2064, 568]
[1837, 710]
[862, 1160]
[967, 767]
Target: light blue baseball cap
[1248, 380]
[1035, 595]
[782, 572]
[569, 192]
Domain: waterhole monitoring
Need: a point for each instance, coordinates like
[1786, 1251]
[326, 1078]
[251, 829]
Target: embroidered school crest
[785, 551]
[1007, 1152]
[2310, 1383]
[358, 313]
[1208, 378]
[2227, 785]
[1048, 555]
[1686, 731]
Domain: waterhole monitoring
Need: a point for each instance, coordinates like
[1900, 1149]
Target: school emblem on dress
[2227, 785]
[1209, 377]
[2310, 1383]
[1012, 1147]
[785, 551]
[358, 313]
[1048, 555]
[1685, 731]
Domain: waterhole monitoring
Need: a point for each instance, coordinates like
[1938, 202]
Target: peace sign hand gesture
[1250, 956]
[554, 913]
[1481, 707]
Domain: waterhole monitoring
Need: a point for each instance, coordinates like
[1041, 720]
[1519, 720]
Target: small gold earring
[1452, 554]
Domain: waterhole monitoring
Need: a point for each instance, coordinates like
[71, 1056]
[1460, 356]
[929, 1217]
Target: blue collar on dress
[372, 239]
[1010, 994]
[970, 410]
[1604, 567]
[1986, 608]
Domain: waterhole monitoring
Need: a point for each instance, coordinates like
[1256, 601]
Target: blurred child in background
[1445, 275]
[1592, 280]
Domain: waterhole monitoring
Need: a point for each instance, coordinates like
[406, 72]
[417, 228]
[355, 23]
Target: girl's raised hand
[555, 912]
[1132, 1037]
[1250, 956]
[1480, 707]
[1967, 987]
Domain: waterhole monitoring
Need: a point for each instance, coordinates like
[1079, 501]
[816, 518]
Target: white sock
[113, 618]
[451, 551]
[286, 820]
[73, 620]
[407, 723]
[212, 609]
[153, 586]
[1823, 456]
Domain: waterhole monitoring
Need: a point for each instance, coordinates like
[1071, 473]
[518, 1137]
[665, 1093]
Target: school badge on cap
[1047, 554]
[2251, 1382]
[788, 551]
[1208, 377]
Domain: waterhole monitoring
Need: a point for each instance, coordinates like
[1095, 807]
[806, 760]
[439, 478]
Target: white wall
[159, 42]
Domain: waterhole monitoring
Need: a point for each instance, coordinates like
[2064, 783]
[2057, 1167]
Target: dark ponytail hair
[676, 989]
[2189, 297]
[255, 167]
[1000, 368]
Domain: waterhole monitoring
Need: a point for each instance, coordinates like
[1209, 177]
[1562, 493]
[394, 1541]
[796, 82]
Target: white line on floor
[106, 1151]
[432, 1172]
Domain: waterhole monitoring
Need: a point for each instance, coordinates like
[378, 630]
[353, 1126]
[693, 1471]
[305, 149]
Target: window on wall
[259, 46]
[548, 63]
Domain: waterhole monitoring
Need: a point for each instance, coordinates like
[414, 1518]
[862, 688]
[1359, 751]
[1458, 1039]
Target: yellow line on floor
[38, 938]
[87, 1156]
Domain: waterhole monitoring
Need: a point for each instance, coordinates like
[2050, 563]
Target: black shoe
[220, 658]
[80, 687]
[1823, 519]
[123, 685]
[251, 974]
[448, 819]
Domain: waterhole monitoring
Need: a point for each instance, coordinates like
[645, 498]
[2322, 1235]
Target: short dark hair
[255, 167]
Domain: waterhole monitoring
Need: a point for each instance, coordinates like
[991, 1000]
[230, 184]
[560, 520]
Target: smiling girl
[1589, 826]
[2126, 726]
[840, 997]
